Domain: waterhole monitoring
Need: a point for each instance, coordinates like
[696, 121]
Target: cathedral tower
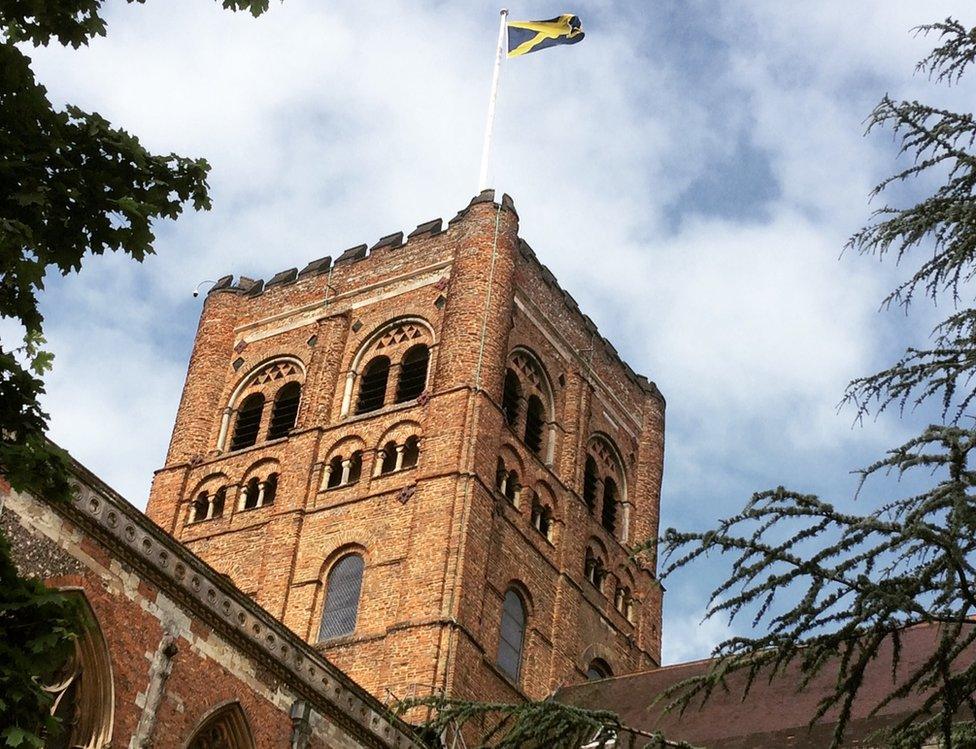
[425, 458]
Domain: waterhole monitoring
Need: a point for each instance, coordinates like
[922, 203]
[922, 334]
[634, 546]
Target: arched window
[411, 452]
[542, 518]
[535, 420]
[270, 490]
[251, 491]
[285, 410]
[372, 387]
[355, 467]
[225, 728]
[512, 487]
[609, 515]
[589, 483]
[388, 464]
[200, 506]
[335, 472]
[248, 422]
[82, 690]
[343, 587]
[219, 500]
[501, 476]
[413, 373]
[511, 397]
[512, 635]
[593, 569]
[598, 669]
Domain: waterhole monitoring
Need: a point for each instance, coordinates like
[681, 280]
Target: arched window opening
[411, 452]
[535, 420]
[219, 500]
[542, 519]
[226, 728]
[270, 490]
[248, 422]
[511, 397]
[285, 410]
[251, 491]
[200, 506]
[82, 690]
[609, 515]
[512, 635]
[355, 467]
[343, 587]
[388, 464]
[501, 476]
[593, 570]
[512, 487]
[589, 483]
[413, 373]
[598, 669]
[335, 472]
[372, 388]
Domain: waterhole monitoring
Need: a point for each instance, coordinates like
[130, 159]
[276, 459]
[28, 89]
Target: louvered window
[535, 417]
[413, 373]
[511, 397]
[512, 635]
[609, 515]
[285, 410]
[372, 388]
[589, 483]
[342, 598]
[248, 422]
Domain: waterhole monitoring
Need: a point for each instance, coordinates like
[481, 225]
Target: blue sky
[690, 172]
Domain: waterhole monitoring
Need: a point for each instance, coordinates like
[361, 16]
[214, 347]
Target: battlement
[435, 227]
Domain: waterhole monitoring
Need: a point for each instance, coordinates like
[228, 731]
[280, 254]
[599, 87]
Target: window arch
[511, 635]
[285, 410]
[342, 591]
[605, 486]
[526, 380]
[278, 381]
[413, 373]
[83, 690]
[372, 385]
[225, 728]
[598, 669]
[248, 422]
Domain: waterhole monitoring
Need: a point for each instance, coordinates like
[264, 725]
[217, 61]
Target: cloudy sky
[690, 172]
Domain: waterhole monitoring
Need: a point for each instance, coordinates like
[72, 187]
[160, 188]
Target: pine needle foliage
[829, 590]
[532, 725]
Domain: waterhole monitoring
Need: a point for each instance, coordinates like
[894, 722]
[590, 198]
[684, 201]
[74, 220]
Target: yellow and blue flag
[531, 36]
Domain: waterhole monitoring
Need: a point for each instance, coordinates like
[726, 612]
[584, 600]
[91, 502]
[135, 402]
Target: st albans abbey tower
[423, 458]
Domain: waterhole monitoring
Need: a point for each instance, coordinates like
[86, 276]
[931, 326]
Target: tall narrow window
[335, 472]
[270, 489]
[251, 491]
[413, 373]
[411, 452]
[343, 587]
[355, 467]
[512, 635]
[609, 514]
[512, 487]
[248, 422]
[219, 500]
[372, 388]
[285, 410]
[389, 458]
[200, 506]
[589, 483]
[511, 397]
[535, 419]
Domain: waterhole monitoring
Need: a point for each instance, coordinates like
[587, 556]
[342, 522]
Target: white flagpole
[490, 125]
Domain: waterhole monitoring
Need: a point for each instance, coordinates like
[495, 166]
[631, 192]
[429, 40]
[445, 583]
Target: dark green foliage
[70, 185]
[531, 724]
[832, 588]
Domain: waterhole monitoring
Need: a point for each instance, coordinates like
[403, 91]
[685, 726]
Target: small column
[210, 506]
[347, 393]
[378, 462]
[625, 521]
[242, 496]
[346, 464]
[399, 457]
[326, 475]
[224, 426]
[261, 485]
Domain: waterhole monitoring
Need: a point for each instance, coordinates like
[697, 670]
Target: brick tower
[425, 458]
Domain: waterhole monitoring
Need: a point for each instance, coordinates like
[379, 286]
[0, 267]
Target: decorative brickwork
[406, 474]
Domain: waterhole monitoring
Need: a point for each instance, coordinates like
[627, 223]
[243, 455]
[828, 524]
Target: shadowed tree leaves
[71, 186]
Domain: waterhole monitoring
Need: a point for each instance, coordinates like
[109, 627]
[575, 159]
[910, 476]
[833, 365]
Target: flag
[531, 36]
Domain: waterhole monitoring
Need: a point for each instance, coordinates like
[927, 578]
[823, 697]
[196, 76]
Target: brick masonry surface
[442, 544]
